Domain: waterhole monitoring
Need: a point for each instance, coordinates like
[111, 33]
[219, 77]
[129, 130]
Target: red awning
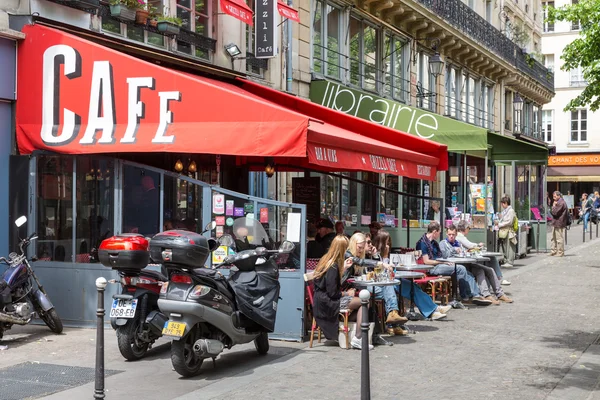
[237, 9]
[78, 97]
[287, 12]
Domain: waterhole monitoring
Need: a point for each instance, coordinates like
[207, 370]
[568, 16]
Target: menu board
[308, 191]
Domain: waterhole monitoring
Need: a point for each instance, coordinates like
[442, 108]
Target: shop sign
[229, 221]
[248, 207]
[395, 115]
[220, 220]
[574, 160]
[218, 256]
[264, 215]
[229, 207]
[218, 204]
[238, 212]
[266, 29]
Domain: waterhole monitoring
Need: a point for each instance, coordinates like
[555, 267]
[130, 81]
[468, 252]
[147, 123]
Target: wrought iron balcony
[459, 15]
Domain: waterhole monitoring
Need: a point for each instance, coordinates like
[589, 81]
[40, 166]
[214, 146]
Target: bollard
[583, 230]
[99, 384]
[365, 374]
[597, 223]
[590, 228]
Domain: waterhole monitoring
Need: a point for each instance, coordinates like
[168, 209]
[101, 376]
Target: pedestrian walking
[507, 234]
[560, 217]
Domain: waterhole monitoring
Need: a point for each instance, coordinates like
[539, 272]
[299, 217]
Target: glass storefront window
[454, 182]
[182, 204]
[521, 201]
[55, 208]
[141, 201]
[412, 206]
[95, 206]
[350, 199]
[329, 195]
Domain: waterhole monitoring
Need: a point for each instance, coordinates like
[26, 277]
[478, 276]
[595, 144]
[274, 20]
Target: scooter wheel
[262, 343]
[130, 346]
[185, 362]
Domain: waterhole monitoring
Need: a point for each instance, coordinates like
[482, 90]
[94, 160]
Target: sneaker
[505, 282]
[493, 300]
[444, 309]
[390, 330]
[437, 315]
[400, 331]
[506, 265]
[505, 299]
[395, 318]
[480, 301]
[356, 343]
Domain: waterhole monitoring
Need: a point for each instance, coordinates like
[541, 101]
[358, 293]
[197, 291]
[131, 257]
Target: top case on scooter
[182, 248]
[125, 252]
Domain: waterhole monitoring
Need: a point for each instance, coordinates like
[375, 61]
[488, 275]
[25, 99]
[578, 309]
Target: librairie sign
[456, 135]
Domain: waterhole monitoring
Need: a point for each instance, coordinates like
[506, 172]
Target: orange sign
[574, 159]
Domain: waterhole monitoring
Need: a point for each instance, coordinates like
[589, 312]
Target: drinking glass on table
[379, 270]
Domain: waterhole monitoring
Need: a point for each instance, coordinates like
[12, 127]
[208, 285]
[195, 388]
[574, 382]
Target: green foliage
[131, 4]
[583, 51]
[519, 35]
[167, 18]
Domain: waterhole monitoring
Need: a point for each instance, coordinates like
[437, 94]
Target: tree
[584, 51]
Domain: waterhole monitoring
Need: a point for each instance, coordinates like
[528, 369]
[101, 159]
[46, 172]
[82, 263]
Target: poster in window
[265, 28]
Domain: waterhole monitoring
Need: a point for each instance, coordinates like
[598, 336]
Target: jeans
[461, 276]
[495, 264]
[422, 299]
[586, 218]
[487, 280]
[388, 294]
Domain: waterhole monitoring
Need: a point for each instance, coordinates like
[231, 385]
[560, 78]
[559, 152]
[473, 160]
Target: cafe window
[95, 205]
[182, 204]
[329, 195]
[521, 201]
[350, 209]
[412, 206]
[326, 39]
[455, 189]
[55, 208]
[135, 32]
[141, 201]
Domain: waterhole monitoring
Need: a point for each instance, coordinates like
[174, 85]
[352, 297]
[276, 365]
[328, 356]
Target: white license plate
[123, 308]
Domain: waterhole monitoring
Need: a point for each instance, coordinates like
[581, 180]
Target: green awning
[507, 148]
[459, 136]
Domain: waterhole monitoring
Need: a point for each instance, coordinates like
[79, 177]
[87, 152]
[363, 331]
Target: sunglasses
[368, 242]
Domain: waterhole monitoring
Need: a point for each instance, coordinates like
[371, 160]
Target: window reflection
[141, 201]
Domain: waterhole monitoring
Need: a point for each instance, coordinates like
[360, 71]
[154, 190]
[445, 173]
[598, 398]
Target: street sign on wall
[265, 28]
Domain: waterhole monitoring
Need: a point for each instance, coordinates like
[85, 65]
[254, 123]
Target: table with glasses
[370, 285]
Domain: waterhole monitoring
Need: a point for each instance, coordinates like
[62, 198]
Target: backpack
[516, 224]
[569, 219]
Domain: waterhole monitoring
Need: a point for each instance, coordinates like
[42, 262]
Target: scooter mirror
[213, 244]
[226, 240]
[286, 246]
[21, 221]
[210, 226]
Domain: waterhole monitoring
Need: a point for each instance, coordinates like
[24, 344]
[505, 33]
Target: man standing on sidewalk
[560, 216]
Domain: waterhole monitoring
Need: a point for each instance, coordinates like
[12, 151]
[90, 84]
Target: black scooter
[208, 312]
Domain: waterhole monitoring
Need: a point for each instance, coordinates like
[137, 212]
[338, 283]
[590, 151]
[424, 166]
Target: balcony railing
[459, 15]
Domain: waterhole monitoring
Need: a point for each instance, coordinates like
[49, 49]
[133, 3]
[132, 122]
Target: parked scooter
[134, 313]
[208, 312]
[20, 298]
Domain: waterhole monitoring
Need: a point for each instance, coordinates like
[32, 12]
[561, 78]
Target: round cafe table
[370, 285]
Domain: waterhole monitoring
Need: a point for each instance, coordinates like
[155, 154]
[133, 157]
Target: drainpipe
[288, 62]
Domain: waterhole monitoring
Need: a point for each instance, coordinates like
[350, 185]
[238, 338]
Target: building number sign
[265, 26]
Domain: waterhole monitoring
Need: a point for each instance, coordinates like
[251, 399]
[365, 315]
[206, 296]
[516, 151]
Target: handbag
[503, 233]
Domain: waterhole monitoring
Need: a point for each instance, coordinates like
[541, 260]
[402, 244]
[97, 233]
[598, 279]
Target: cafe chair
[435, 285]
[344, 314]
[311, 263]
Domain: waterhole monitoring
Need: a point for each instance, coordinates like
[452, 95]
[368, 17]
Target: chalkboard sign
[308, 191]
[570, 200]
[265, 29]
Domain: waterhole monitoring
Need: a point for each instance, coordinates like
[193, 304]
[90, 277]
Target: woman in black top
[329, 297]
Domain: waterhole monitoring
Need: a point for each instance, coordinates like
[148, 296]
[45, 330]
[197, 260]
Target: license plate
[123, 308]
[176, 329]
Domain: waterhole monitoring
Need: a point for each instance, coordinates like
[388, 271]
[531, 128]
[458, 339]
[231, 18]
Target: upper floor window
[577, 78]
[549, 61]
[195, 17]
[451, 89]
[579, 126]
[327, 43]
[548, 26]
[547, 125]
[251, 67]
[363, 53]
[393, 66]
[488, 10]
[135, 32]
[426, 90]
[575, 25]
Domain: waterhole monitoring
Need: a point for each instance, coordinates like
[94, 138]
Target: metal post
[590, 228]
[597, 223]
[566, 234]
[365, 374]
[583, 233]
[99, 385]
[537, 238]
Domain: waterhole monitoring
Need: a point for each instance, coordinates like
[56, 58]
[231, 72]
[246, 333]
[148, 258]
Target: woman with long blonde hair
[329, 297]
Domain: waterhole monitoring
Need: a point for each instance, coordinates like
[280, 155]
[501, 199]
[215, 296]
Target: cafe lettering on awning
[237, 9]
[287, 12]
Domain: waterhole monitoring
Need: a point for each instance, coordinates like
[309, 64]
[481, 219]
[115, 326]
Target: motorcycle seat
[154, 274]
[218, 280]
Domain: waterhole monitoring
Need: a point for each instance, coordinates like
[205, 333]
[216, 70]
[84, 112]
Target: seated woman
[356, 250]
[427, 307]
[329, 297]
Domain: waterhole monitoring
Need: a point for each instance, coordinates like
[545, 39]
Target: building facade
[575, 169]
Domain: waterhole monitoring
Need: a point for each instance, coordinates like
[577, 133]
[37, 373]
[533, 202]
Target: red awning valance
[237, 9]
[78, 97]
[287, 12]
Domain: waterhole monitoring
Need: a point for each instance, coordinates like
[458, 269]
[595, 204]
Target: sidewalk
[540, 347]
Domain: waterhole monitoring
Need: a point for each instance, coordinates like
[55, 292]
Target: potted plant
[152, 15]
[141, 13]
[123, 9]
[168, 24]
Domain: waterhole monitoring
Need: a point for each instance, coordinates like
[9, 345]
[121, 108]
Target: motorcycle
[137, 328]
[20, 299]
[208, 312]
